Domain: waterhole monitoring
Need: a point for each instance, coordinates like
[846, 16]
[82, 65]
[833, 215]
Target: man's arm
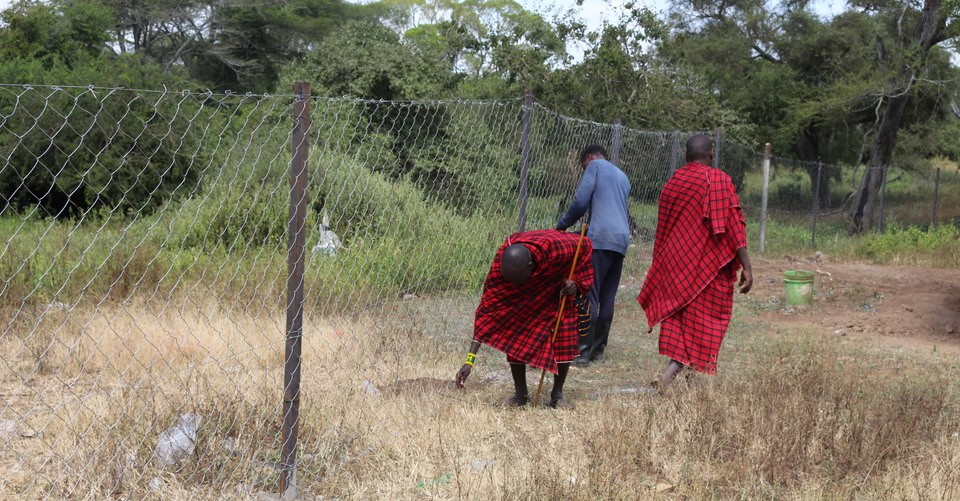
[746, 275]
[464, 371]
[581, 200]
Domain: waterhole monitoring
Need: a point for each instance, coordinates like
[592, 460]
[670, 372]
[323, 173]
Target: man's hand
[746, 273]
[746, 280]
[462, 375]
[569, 288]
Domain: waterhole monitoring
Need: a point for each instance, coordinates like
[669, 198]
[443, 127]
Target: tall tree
[817, 88]
[70, 150]
[917, 31]
[500, 47]
[227, 44]
[621, 76]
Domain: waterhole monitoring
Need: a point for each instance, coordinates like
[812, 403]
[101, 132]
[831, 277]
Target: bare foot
[661, 385]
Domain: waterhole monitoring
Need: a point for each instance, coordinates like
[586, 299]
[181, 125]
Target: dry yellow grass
[790, 416]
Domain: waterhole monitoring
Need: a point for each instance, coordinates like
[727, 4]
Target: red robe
[519, 319]
[689, 286]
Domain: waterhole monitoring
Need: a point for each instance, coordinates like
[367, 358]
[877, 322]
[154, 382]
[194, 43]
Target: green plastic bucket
[799, 284]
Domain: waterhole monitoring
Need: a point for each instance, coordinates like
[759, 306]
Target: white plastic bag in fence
[329, 241]
[328, 244]
[179, 441]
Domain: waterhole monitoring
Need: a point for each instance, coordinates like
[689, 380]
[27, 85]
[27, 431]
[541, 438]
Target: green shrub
[69, 150]
[913, 239]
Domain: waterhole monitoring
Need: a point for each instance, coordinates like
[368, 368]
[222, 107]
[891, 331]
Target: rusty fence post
[764, 196]
[296, 238]
[615, 147]
[815, 207]
[525, 159]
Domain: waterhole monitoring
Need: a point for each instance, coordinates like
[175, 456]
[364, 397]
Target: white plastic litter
[8, 429]
[179, 441]
[329, 241]
[369, 387]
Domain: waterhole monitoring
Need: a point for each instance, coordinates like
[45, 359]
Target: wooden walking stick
[563, 302]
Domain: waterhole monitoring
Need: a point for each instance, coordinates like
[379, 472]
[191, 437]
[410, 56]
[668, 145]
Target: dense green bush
[70, 150]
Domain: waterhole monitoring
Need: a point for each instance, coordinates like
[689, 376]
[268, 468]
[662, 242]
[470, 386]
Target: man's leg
[586, 343]
[583, 344]
[669, 373]
[601, 333]
[556, 396]
[607, 286]
[519, 373]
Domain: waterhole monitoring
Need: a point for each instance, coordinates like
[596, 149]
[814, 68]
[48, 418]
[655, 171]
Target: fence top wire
[165, 90]
[412, 102]
[208, 93]
[623, 128]
[591, 123]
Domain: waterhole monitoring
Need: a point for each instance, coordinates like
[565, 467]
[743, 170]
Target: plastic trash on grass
[179, 441]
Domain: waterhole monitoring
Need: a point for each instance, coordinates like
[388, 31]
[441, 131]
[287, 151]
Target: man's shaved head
[700, 149]
[516, 264]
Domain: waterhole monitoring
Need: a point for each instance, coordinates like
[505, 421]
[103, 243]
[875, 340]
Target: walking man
[603, 191]
[518, 310]
[700, 245]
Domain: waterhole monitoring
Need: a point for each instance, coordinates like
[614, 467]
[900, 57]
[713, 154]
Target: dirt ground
[916, 309]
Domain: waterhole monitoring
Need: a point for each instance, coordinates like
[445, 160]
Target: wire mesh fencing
[811, 203]
[145, 311]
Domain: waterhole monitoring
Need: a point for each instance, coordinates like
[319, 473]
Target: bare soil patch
[913, 308]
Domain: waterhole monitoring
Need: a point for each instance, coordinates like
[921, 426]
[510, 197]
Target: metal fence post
[295, 268]
[525, 158]
[615, 148]
[815, 209]
[717, 141]
[674, 151]
[883, 195]
[936, 196]
[765, 188]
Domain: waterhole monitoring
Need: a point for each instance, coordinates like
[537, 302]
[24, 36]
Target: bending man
[518, 309]
[700, 245]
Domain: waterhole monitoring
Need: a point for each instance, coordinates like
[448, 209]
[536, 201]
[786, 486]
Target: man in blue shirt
[603, 191]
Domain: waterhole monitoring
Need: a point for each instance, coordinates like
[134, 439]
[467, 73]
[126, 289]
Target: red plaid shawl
[519, 319]
[700, 226]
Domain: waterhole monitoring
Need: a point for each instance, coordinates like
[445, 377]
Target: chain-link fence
[163, 333]
[811, 202]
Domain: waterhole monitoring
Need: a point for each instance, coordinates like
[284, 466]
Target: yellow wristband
[471, 359]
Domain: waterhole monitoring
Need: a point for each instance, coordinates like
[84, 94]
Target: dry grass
[790, 416]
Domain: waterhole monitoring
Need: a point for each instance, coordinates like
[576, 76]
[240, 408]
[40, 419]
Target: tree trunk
[863, 211]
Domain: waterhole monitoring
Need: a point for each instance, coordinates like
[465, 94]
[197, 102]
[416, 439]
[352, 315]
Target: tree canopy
[874, 82]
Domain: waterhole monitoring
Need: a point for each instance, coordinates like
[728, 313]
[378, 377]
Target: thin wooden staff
[563, 302]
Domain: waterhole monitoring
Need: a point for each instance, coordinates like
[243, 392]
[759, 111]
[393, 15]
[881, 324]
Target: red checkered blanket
[700, 226]
[519, 319]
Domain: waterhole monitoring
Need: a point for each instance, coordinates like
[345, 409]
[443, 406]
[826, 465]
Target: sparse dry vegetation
[791, 415]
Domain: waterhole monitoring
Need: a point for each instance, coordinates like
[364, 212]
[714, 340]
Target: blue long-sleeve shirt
[604, 191]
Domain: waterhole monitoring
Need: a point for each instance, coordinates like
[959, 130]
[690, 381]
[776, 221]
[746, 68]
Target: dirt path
[890, 306]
